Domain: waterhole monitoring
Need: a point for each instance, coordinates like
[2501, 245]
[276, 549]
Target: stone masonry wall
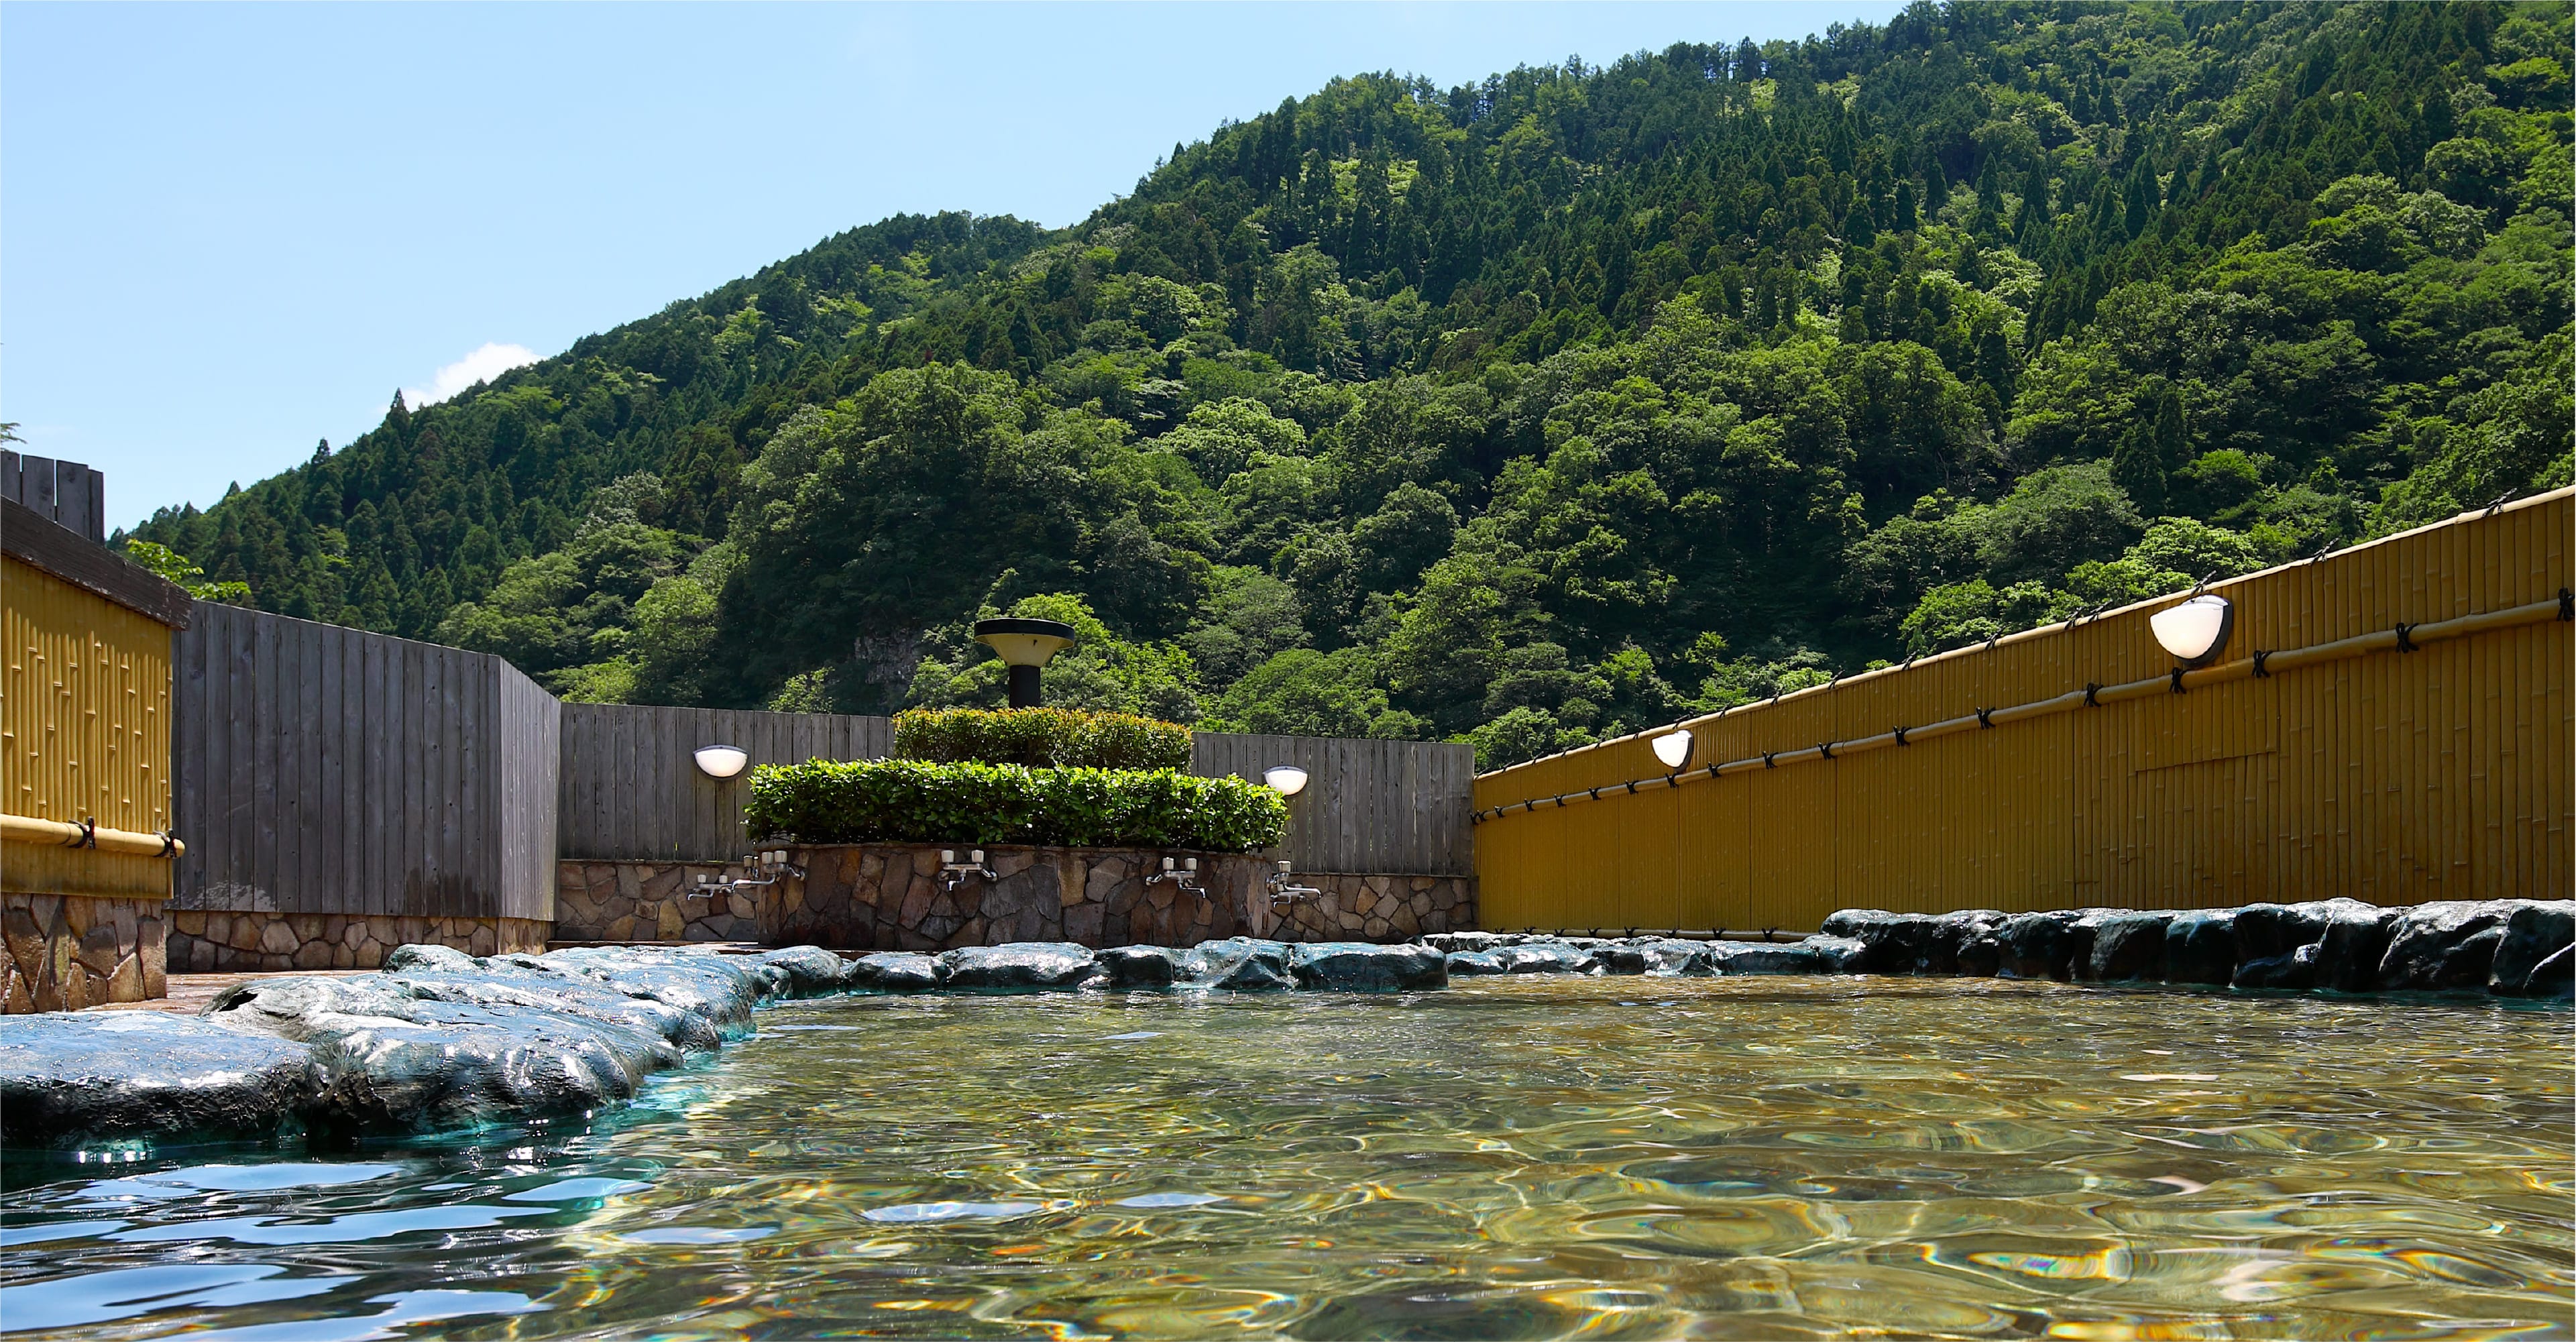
[72, 951]
[1377, 908]
[215, 941]
[891, 897]
[654, 901]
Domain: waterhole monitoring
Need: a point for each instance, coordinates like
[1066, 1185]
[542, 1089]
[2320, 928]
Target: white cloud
[483, 365]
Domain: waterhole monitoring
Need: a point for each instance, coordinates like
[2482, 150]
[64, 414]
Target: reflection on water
[1522, 1158]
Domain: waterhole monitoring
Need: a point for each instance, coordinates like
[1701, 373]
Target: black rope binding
[2406, 638]
[2177, 680]
[2566, 604]
[1985, 717]
[1632, 787]
[1900, 734]
[169, 842]
[1827, 748]
[89, 834]
[1712, 771]
[1770, 759]
[1595, 793]
[2091, 688]
[2262, 655]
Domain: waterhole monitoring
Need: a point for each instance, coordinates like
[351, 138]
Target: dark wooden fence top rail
[65, 493]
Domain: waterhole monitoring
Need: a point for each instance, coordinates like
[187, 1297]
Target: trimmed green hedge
[914, 801]
[1040, 738]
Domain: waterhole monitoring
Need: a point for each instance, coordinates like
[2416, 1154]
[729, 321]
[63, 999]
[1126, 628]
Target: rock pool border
[442, 1041]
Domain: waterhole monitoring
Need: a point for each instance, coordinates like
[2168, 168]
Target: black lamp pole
[1025, 646]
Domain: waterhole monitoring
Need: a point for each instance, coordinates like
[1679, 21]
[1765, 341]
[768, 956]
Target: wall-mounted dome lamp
[1674, 748]
[2194, 631]
[1025, 646]
[721, 761]
[1285, 779]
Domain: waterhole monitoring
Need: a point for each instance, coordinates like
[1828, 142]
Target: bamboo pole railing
[67, 834]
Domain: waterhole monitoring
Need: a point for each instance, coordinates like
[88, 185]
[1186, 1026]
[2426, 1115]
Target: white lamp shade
[1674, 747]
[1286, 779]
[721, 761]
[2194, 631]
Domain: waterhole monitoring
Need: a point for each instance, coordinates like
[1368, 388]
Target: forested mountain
[1542, 408]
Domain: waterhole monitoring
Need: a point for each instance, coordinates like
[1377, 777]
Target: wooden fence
[630, 787]
[1394, 807]
[65, 493]
[330, 770]
[631, 790]
[2389, 775]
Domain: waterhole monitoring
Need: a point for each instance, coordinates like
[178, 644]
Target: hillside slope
[1541, 408]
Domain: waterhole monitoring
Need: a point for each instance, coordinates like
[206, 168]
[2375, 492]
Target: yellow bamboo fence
[84, 742]
[2390, 722]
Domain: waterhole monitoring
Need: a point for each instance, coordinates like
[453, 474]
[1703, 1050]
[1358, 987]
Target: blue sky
[228, 231]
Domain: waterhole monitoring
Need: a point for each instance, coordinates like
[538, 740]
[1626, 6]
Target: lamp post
[1025, 646]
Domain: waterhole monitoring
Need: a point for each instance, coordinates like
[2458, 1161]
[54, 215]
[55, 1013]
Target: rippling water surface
[1525, 1158]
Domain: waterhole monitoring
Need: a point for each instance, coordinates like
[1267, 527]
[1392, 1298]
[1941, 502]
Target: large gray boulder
[2267, 930]
[2285, 946]
[2553, 977]
[1137, 966]
[1963, 942]
[705, 982]
[2355, 941]
[1669, 957]
[1550, 957]
[1356, 966]
[896, 972]
[1840, 955]
[2126, 947]
[531, 988]
[2200, 947]
[1017, 967]
[1446, 942]
[1238, 964]
[393, 1062]
[2444, 945]
[1892, 943]
[2294, 970]
[2535, 931]
[2038, 945]
[1730, 958]
[71, 1079]
[811, 970]
[1467, 964]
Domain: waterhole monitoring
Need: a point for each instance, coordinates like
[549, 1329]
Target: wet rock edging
[441, 1040]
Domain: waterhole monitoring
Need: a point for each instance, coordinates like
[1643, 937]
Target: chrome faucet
[1186, 877]
[771, 864]
[953, 873]
[1282, 893]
